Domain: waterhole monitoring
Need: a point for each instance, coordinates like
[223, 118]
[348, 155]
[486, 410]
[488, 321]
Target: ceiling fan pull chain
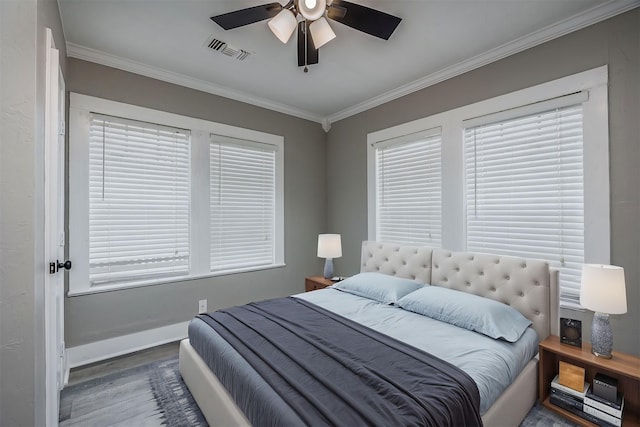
[306, 46]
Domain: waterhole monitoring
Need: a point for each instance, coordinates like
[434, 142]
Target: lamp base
[328, 268]
[601, 336]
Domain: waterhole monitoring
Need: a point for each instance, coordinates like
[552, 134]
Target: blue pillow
[473, 312]
[377, 286]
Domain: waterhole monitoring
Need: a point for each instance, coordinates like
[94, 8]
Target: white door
[54, 232]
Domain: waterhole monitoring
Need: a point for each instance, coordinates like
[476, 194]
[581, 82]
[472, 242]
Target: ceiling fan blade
[362, 18]
[310, 52]
[247, 16]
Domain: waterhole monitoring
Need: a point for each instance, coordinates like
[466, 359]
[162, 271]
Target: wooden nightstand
[316, 282]
[624, 367]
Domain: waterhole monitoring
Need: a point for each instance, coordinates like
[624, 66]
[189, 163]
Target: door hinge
[61, 129]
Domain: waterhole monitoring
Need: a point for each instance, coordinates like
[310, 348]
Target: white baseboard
[125, 344]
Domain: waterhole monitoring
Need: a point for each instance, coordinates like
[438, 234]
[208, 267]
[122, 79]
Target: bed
[529, 286]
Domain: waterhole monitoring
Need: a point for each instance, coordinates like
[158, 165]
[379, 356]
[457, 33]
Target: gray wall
[615, 42]
[99, 316]
[22, 70]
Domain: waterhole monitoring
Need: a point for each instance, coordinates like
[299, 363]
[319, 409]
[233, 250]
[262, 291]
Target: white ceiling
[167, 39]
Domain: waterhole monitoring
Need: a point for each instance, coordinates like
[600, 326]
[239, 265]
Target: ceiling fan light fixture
[283, 25]
[312, 9]
[321, 32]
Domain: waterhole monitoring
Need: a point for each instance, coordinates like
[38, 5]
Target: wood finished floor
[121, 363]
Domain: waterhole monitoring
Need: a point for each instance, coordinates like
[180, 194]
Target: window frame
[79, 110]
[596, 158]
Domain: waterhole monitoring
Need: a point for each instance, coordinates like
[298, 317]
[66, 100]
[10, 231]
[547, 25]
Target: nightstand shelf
[624, 367]
[316, 282]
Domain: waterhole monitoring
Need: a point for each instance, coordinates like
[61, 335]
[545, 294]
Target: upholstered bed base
[527, 285]
[214, 401]
[514, 403]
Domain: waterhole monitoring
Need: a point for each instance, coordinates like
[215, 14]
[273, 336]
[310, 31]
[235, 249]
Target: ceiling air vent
[231, 51]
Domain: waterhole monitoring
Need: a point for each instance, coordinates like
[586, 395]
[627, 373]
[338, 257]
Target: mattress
[492, 364]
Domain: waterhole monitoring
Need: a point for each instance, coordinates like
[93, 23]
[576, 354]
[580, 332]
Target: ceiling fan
[308, 16]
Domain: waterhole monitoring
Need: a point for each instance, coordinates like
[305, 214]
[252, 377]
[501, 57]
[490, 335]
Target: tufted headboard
[527, 285]
[409, 262]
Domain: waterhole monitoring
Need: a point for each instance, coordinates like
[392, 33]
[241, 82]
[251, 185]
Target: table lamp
[329, 247]
[603, 291]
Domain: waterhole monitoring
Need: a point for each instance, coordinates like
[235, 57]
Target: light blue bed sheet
[492, 364]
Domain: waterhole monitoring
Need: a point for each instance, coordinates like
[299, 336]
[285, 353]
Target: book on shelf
[569, 407]
[611, 408]
[555, 383]
[603, 416]
[604, 408]
[567, 399]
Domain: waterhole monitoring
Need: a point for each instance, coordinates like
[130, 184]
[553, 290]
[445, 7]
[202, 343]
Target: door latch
[54, 267]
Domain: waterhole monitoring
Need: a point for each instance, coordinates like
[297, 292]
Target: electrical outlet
[202, 306]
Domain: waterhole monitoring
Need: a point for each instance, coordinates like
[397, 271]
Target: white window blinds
[138, 200]
[242, 204]
[408, 186]
[524, 190]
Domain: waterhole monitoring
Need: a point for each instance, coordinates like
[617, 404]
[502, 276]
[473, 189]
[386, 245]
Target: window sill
[144, 283]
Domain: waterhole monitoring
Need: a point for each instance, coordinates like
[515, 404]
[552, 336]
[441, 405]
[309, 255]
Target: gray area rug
[148, 395]
[540, 416]
[155, 395]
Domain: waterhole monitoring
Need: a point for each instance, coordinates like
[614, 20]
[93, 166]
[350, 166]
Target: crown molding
[99, 57]
[589, 17]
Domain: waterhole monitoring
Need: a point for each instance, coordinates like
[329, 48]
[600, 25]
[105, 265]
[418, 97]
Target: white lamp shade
[603, 289]
[329, 246]
[312, 9]
[283, 25]
[321, 32]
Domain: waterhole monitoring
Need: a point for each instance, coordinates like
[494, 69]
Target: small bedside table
[316, 282]
[624, 367]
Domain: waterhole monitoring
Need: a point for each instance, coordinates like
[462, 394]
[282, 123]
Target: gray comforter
[333, 371]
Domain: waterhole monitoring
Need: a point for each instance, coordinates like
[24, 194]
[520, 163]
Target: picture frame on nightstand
[571, 332]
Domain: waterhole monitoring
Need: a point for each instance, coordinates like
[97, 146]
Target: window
[156, 197]
[242, 186]
[138, 200]
[524, 188]
[523, 174]
[408, 204]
